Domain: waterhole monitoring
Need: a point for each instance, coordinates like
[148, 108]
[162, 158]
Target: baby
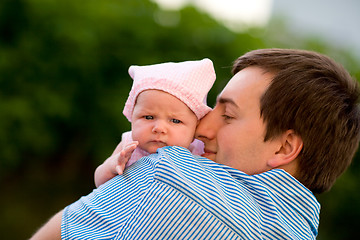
[164, 106]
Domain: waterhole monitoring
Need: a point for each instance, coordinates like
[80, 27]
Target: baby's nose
[159, 127]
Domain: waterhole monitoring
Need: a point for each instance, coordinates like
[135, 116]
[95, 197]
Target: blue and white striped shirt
[176, 195]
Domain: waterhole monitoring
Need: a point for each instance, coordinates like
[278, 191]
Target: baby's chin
[154, 147]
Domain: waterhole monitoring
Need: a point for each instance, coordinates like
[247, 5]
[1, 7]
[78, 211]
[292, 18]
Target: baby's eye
[175, 120]
[148, 117]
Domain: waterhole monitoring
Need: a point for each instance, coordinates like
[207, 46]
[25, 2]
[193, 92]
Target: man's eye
[227, 117]
[148, 117]
[175, 120]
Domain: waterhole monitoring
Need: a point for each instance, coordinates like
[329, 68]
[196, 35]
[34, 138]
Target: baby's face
[160, 119]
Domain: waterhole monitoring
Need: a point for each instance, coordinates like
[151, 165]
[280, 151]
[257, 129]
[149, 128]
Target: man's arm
[51, 230]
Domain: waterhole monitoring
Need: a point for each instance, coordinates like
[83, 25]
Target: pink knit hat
[189, 81]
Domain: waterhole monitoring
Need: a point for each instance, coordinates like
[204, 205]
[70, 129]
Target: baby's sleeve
[126, 138]
[197, 147]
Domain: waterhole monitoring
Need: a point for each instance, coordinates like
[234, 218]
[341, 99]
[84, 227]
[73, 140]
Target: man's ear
[289, 148]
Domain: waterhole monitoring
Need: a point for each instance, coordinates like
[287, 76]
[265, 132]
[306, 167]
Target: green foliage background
[64, 81]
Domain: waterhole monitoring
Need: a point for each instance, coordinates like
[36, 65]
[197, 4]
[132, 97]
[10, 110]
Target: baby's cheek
[186, 141]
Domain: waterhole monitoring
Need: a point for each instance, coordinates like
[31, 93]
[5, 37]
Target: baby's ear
[289, 149]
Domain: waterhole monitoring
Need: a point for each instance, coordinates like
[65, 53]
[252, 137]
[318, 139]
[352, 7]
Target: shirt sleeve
[102, 213]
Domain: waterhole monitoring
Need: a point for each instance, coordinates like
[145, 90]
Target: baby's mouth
[158, 142]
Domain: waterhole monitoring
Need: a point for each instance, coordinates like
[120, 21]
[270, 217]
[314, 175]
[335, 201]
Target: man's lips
[207, 153]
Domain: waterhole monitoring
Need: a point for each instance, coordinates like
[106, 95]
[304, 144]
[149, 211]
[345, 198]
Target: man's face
[233, 133]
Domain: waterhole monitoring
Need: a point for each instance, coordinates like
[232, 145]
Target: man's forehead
[251, 80]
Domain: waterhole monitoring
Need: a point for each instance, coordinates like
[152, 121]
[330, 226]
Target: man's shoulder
[180, 162]
[194, 176]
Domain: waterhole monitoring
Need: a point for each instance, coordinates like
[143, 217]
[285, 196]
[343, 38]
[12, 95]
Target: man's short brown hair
[318, 99]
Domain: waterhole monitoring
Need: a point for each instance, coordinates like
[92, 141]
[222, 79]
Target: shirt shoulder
[290, 207]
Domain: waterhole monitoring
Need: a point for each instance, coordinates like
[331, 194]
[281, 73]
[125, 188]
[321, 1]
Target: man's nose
[208, 126]
[159, 127]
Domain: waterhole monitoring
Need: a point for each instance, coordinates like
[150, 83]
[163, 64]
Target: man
[285, 126]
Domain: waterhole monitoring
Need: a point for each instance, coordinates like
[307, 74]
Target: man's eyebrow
[223, 100]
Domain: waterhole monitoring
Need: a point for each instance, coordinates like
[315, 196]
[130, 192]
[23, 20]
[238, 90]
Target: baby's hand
[115, 164]
[124, 156]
